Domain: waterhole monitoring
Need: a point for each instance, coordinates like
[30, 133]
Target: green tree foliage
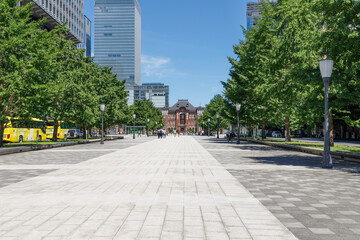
[146, 110]
[216, 106]
[21, 61]
[44, 75]
[276, 74]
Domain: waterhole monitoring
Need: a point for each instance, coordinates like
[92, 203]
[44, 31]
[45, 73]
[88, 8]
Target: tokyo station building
[182, 116]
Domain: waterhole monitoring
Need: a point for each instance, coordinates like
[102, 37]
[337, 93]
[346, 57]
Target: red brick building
[182, 116]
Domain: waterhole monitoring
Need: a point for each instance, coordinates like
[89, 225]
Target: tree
[217, 105]
[22, 58]
[144, 110]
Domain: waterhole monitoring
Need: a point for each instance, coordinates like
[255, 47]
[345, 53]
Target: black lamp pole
[208, 127]
[217, 116]
[238, 106]
[134, 116]
[102, 108]
[326, 67]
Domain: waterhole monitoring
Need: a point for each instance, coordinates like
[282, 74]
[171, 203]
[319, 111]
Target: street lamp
[238, 106]
[217, 117]
[147, 127]
[326, 67]
[134, 116]
[203, 127]
[208, 127]
[102, 109]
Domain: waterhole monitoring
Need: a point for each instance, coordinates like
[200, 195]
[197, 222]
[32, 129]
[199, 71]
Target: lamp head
[326, 67]
[102, 107]
[208, 119]
[134, 116]
[148, 120]
[238, 106]
[217, 116]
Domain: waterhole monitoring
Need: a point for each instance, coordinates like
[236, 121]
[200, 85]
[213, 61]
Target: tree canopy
[276, 70]
[44, 75]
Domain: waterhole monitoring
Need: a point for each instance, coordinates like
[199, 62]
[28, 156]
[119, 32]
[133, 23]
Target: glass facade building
[117, 39]
[86, 44]
[157, 93]
[58, 11]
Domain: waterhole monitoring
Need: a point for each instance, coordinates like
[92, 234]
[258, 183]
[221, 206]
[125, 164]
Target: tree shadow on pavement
[293, 158]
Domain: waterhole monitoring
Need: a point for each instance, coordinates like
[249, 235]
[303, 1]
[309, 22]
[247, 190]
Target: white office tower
[60, 11]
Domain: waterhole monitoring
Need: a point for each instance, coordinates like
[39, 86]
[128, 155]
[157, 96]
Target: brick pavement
[162, 189]
[314, 203]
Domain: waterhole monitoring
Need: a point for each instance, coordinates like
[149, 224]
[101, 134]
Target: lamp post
[238, 106]
[326, 67]
[217, 117]
[208, 127]
[203, 127]
[147, 127]
[134, 116]
[102, 108]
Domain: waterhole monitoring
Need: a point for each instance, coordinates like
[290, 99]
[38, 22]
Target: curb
[11, 150]
[353, 157]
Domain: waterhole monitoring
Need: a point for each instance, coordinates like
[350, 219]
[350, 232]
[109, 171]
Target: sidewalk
[164, 189]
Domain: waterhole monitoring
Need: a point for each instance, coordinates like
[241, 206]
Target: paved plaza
[176, 188]
[314, 203]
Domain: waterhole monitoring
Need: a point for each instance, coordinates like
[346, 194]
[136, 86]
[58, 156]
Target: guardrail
[334, 154]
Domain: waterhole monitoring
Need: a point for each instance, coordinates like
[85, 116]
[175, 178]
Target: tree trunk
[84, 132]
[250, 131]
[2, 134]
[331, 129]
[287, 129]
[56, 126]
[263, 133]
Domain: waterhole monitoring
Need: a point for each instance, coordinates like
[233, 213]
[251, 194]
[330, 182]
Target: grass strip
[337, 147]
[29, 144]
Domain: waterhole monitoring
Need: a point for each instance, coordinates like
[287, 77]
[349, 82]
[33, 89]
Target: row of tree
[43, 75]
[276, 76]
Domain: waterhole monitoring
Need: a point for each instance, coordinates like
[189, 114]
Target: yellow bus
[63, 129]
[24, 130]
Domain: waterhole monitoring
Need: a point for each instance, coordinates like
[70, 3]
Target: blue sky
[185, 44]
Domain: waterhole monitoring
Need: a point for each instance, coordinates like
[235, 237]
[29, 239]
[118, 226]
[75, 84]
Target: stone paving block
[172, 235]
[321, 231]
[194, 232]
[150, 231]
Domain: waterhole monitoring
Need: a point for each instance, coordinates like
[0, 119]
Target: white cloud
[155, 66]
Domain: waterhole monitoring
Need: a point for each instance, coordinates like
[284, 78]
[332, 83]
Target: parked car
[276, 134]
[74, 133]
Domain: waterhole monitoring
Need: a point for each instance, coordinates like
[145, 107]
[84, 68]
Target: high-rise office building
[157, 93]
[87, 36]
[59, 11]
[86, 44]
[253, 13]
[117, 39]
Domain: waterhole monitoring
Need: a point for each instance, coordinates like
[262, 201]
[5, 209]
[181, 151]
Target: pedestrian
[164, 133]
[174, 132]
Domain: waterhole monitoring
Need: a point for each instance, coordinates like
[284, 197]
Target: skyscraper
[58, 11]
[86, 43]
[118, 39]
